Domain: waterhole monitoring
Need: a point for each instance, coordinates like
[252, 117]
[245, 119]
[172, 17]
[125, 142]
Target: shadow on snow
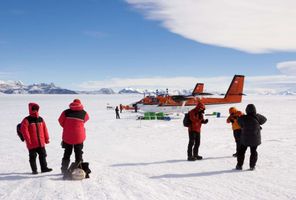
[165, 162]
[148, 163]
[200, 174]
[19, 176]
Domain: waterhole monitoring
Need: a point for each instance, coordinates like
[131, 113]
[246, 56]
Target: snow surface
[133, 159]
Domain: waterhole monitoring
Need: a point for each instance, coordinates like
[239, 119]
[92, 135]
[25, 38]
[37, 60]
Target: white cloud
[149, 83]
[253, 84]
[287, 68]
[255, 26]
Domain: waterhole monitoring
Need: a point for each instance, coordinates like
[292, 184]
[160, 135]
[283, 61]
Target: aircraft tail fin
[235, 90]
[198, 89]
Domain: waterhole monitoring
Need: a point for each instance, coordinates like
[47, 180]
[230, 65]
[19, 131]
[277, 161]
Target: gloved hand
[205, 121]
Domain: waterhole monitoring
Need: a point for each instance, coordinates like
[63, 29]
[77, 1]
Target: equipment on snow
[78, 174]
[77, 171]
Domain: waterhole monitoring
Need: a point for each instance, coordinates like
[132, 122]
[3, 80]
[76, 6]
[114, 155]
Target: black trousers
[42, 158]
[237, 135]
[253, 156]
[194, 141]
[117, 115]
[67, 154]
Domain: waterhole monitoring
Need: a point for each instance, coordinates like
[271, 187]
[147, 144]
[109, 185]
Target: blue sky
[76, 42]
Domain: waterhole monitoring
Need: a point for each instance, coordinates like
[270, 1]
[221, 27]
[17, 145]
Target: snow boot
[238, 167]
[198, 157]
[65, 165]
[46, 170]
[252, 168]
[43, 163]
[191, 158]
[33, 166]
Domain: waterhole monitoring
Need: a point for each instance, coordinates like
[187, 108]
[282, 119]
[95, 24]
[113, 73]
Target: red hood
[33, 113]
[76, 106]
[200, 107]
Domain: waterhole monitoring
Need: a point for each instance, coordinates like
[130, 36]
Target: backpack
[19, 133]
[186, 120]
[77, 171]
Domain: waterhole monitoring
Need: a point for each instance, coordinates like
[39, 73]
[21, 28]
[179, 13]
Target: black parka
[250, 125]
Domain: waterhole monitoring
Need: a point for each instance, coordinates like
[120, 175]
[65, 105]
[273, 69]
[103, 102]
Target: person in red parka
[197, 118]
[35, 133]
[72, 120]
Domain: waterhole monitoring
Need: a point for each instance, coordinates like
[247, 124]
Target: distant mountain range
[100, 91]
[17, 87]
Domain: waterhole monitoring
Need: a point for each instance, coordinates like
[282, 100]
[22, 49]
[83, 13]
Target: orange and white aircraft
[198, 90]
[182, 103]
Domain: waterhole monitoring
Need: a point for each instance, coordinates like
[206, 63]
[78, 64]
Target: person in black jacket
[117, 112]
[250, 135]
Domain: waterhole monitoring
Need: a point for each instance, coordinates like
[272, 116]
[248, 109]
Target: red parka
[72, 120]
[197, 118]
[34, 129]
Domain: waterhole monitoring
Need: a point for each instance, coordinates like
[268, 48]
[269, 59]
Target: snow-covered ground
[132, 159]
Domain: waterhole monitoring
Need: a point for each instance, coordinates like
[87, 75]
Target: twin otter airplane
[183, 103]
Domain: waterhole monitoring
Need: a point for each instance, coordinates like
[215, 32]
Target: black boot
[191, 158]
[238, 167]
[85, 167]
[42, 160]
[33, 166]
[65, 165]
[43, 165]
[46, 170]
[198, 157]
[32, 160]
